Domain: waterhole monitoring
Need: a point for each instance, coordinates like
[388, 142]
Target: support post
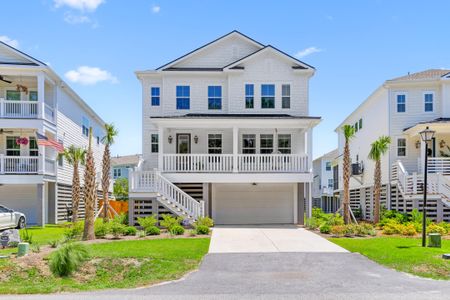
[40, 211]
[160, 148]
[41, 94]
[301, 203]
[235, 148]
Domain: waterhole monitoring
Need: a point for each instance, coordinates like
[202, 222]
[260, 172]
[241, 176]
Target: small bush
[350, 230]
[153, 230]
[325, 228]
[26, 236]
[337, 230]
[192, 232]
[68, 259]
[334, 219]
[313, 223]
[446, 226]
[129, 230]
[147, 222]
[54, 243]
[74, 231]
[177, 230]
[101, 228]
[169, 221]
[392, 227]
[204, 221]
[141, 233]
[433, 228]
[366, 229]
[35, 248]
[121, 218]
[117, 229]
[409, 229]
[202, 229]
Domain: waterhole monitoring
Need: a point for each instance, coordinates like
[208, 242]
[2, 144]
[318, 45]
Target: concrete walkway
[267, 239]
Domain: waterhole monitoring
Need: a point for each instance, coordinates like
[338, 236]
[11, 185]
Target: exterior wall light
[417, 144]
[170, 139]
[196, 139]
[442, 144]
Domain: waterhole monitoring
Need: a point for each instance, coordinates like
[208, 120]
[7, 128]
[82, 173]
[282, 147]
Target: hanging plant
[22, 141]
[22, 88]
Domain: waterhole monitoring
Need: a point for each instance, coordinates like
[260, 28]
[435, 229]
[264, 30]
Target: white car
[11, 219]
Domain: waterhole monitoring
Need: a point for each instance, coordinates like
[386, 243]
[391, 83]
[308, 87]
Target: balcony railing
[19, 164]
[18, 109]
[228, 163]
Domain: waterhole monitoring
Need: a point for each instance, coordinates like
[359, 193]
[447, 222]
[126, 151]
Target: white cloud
[156, 9]
[7, 40]
[307, 51]
[86, 75]
[76, 19]
[83, 5]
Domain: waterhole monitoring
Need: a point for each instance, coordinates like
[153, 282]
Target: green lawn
[402, 254]
[120, 264]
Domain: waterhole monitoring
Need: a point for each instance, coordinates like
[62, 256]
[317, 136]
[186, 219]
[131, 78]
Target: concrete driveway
[267, 239]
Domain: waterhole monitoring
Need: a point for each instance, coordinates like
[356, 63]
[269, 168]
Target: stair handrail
[402, 175]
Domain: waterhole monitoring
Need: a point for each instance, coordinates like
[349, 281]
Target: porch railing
[439, 165]
[18, 109]
[198, 163]
[19, 164]
[272, 163]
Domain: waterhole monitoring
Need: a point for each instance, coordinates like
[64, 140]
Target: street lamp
[426, 135]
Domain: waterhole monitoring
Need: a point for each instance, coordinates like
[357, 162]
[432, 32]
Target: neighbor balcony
[27, 165]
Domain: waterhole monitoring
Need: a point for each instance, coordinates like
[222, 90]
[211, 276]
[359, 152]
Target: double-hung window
[328, 166]
[267, 96]
[360, 124]
[401, 147]
[356, 127]
[155, 143]
[330, 182]
[266, 143]
[33, 146]
[215, 143]
[284, 143]
[428, 99]
[248, 144]
[401, 103]
[155, 94]
[286, 96]
[85, 126]
[117, 173]
[214, 97]
[33, 96]
[13, 95]
[249, 96]
[12, 147]
[183, 96]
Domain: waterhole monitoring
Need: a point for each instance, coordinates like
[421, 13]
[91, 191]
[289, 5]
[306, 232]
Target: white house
[34, 99]
[401, 108]
[226, 133]
[323, 183]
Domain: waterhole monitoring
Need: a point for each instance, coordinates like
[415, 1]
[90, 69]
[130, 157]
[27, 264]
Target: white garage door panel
[21, 198]
[248, 204]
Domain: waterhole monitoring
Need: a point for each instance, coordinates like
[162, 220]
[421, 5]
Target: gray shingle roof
[431, 74]
[125, 160]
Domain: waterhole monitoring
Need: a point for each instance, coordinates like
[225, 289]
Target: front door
[183, 143]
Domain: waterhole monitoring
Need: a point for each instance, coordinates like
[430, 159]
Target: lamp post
[426, 135]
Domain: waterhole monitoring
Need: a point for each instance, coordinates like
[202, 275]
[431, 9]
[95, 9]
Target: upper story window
[33, 146]
[214, 97]
[33, 96]
[117, 173]
[85, 126]
[356, 127]
[155, 94]
[328, 166]
[248, 144]
[13, 95]
[286, 96]
[214, 143]
[249, 96]
[401, 147]
[330, 182]
[155, 143]
[284, 143]
[401, 103]
[12, 147]
[428, 99]
[267, 96]
[360, 124]
[183, 96]
[266, 143]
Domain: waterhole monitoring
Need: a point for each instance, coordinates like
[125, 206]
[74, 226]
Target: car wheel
[21, 223]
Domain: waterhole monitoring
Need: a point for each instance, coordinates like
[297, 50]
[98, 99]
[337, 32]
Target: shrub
[204, 221]
[325, 228]
[313, 223]
[350, 230]
[129, 230]
[446, 226]
[337, 230]
[202, 229]
[26, 236]
[54, 243]
[409, 229]
[141, 233]
[363, 229]
[147, 222]
[121, 218]
[117, 229]
[67, 259]
[35, 248]
[392, 227]
[74, 231]
[334, 219]
[192, 232]
[101, 228]
[433, 228]
[153, 230]
[169, 221]
[176, 230]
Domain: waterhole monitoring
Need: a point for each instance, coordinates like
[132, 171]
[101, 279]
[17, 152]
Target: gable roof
[430, 74]
[125, 160]
[17, 57]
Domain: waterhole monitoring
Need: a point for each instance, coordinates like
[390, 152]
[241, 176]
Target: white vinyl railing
[272, 163]
[153, 181]
[19, 164]
[18, 109]
[439, 165]
[220, 163]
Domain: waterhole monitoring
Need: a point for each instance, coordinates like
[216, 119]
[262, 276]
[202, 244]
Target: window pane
[401, 103]
[154, 143]
[360, 123]
[266, 143]
[13, 95]
[284, 143]
[155, 92]
[214, 143]
[183, 94]
[33, 96]
[401, 147]
[214, 97]
[267, 96]
[428, 102]
[248, 144]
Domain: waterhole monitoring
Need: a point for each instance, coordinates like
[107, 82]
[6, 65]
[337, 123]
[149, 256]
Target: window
[266, 143]
[61, 157]
[12, 148]
[117, 173]
[401, 147]
[33, 96]
[33, 146]
[401, 103]
[286, 96]
[267, 96]
[214, 97]
[360, 124]
[248, 144]
[214, 143]
[356, 127]
[249, 96]
[284, 143]
[85, 126]
[155, 94]
[330, 183]
[183, 94]
[428, 98]
[328, 166]
[155, 143]
[13, 95]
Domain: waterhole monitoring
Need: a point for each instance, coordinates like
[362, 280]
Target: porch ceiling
[440, 125]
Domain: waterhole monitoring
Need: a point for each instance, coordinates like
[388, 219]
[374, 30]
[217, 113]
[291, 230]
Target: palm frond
[111, 133]
[348, 131]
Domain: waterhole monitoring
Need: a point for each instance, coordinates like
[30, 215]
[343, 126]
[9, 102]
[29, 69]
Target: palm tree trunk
[346, 177]
[105, 181]
[89, 193]
[75, 192]
[377, 191]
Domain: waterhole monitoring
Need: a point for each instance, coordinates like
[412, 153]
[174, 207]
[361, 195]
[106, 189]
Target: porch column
[40, 205]
[52, 203]
[309, 149]
[160, 147]
[41, 157]
[301, 203]
[308, 199]
[235, 148]
[41, 94]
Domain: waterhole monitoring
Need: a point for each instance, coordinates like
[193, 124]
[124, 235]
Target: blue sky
[97, 45]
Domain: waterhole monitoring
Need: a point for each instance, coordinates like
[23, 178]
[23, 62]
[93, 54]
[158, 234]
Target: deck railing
[439, 165]
[272, 163]
[19, 164]
[18, 109]
[221, 163]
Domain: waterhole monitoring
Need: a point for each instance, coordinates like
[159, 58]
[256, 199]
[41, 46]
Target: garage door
[253, 204]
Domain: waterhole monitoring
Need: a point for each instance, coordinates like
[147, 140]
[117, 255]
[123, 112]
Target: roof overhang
[442, 126]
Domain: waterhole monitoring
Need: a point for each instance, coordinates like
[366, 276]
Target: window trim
[214, 97]
[432, 101]
[285, 96]
[396, 102]
[360, 123]
[248, 96]
[155, 97]
[396, 146]
[284, 148]
[183, 98]
[153, 143]
[266, 136]
[252, 136]
[208, 148]
[268, 96]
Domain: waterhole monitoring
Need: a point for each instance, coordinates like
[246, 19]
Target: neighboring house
[122, 165]
[323, 183]
[401, 108]
[33, 99]
[227, 133]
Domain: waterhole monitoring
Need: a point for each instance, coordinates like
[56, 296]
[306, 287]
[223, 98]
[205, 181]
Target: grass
[402, 254]
[120, 264]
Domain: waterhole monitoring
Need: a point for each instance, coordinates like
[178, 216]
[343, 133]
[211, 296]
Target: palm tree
[75, 156]
[378, 149]
[108, 140]
[90, 193]
[348, 132]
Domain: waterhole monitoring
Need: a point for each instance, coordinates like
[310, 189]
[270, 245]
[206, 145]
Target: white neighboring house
[226, 133]
[401, 108]
[32, 179]
[323, 183]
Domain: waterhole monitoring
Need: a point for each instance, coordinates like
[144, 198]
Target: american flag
[42, 140]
